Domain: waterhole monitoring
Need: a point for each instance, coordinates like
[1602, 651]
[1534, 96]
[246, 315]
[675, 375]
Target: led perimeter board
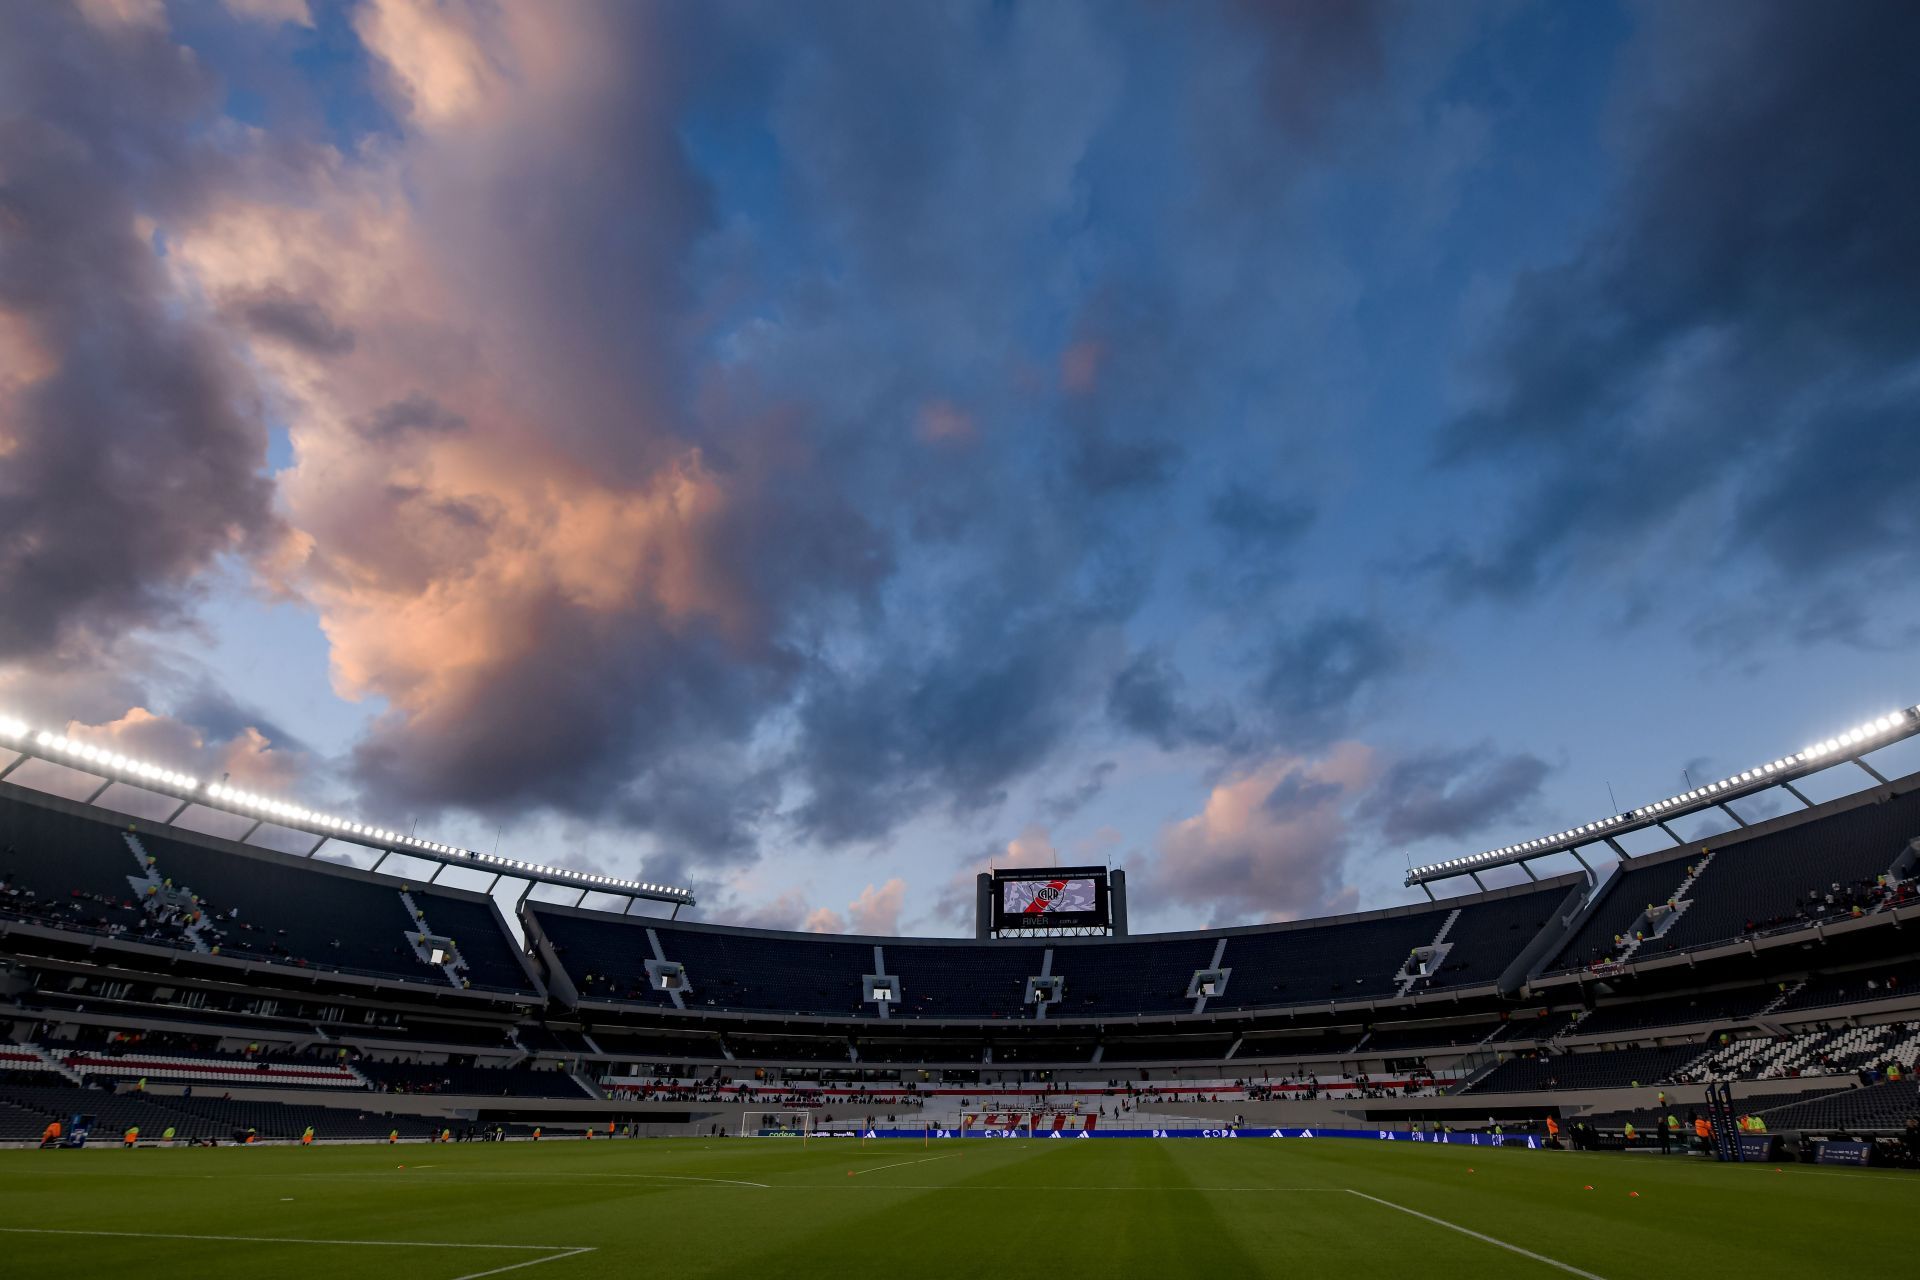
[1049, 898]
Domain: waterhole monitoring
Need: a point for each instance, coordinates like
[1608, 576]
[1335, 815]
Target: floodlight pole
[1429, 892]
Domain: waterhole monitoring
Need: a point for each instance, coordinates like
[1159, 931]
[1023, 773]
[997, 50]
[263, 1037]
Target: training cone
[1589, 1186]
[849, 1173]
[1634, 1194]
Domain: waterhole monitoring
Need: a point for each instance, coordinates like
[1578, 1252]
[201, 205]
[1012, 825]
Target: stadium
[1626, 1053]
[1078, 639]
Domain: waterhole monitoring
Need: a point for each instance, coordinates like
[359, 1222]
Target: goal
[776, 1124]
[997, 1124]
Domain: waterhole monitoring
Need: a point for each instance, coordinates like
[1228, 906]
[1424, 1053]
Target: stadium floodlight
[114, 766]
[1867, 736]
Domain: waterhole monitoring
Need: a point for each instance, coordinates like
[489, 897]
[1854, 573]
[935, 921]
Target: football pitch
[1042, 1208]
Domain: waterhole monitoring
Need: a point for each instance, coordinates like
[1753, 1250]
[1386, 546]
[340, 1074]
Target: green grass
[1002, 1209]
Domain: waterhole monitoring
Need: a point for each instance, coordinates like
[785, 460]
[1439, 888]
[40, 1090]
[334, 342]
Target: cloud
[1722, 370]
[1454, 792]
[1064, 805]
[1147, 697]
[877, 911]
[1270, 842]
[132, 440]
[227, 748]
[1315, 678]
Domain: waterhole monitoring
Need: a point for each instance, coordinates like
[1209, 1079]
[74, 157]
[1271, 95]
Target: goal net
[999, 1124]
[776, 1124]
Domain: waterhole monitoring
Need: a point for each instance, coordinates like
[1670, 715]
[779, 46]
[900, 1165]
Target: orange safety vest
[1553, 1127]
[1701, 1129]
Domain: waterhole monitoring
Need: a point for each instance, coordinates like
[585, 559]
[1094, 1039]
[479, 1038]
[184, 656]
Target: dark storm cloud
[1456, 792]
[1316, 678]
[1257, 523]
[1148, 697]
[278, 315]
[414, 413]
[1738, 332]
[132, 439]
[956, 728]
[1312, 54]
[1059, 808]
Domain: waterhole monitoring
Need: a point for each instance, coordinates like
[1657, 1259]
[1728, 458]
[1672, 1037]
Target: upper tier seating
[739, 970]
[968, 980]
[1129, 977]
[82, 872]
[1755, 885]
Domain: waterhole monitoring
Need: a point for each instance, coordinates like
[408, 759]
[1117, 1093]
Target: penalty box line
[1487, 1239]
[554, 1252]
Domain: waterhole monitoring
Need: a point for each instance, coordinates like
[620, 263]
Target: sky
[814, 452]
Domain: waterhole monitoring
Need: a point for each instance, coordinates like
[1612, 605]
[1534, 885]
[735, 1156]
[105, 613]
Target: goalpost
[776, 1124]
[1000, 1124]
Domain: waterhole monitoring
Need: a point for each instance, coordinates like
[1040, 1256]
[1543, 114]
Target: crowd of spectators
[1838, 901]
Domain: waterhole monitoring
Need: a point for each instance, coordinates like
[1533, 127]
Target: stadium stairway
[421, 937]
[149, 887]
[1667, 919]
[53, 1062]
[1408, 974]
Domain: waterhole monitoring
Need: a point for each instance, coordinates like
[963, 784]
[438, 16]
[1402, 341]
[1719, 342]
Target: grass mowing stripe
[1468, 1231]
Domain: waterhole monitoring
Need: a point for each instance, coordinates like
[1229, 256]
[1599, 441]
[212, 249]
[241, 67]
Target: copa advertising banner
[1526, 1141]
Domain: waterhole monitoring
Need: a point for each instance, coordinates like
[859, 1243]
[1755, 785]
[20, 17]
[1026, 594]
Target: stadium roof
[112, 766]
[1839, 749]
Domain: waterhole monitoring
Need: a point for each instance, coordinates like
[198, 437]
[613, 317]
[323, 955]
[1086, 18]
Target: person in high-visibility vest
[167, 1137]
[1703, 1130]
[1631, 1135]
[50, 1136]
[393, 1136]
[446, 1135]
[536, 1133]
[1668, 1132]
[131, 1136]
[306, 1139]
[1759, 1125]
[251, 1135]
[1553, 1128]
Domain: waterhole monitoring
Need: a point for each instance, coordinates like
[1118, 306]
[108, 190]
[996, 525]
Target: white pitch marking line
[1467, 1231]
[555, 1252]
[531, 1262]
[904, 1163]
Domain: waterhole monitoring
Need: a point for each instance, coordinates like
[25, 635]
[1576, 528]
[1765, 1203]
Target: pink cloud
[1270, 842]
[1080, 366]
[944, 423]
